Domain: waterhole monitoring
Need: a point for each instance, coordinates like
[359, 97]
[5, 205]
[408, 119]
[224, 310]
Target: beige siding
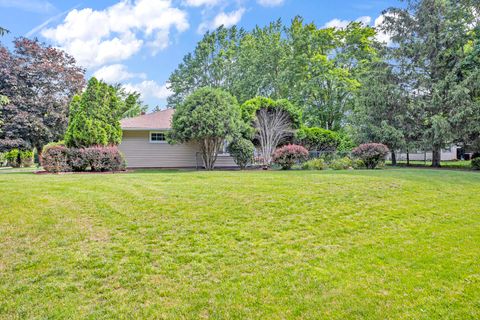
[140, 153]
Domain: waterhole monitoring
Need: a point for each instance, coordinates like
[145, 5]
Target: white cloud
[199, 3]
[270, 3]
[226, 19]
[150, 89]
[381, 35]
[116, 73]
[341, 24]
[97, 37]
[39, 6]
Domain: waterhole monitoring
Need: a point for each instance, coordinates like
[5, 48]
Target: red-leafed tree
[39, 82]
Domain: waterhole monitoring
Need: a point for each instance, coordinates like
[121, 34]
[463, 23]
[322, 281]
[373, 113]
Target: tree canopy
[39, 82]
[95, 115]
[209, 117]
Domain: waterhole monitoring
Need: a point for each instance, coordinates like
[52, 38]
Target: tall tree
[95, 116]
[429, 39]
[208, 117]
[323, 69]
[39, 81]
[273, 123]
[380, 110]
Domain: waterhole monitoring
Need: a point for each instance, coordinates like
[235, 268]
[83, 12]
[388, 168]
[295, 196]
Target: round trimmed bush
[105, 158]
[55, 159]
[288, 155]
[78, 159]
[372, 154]
[242, 152]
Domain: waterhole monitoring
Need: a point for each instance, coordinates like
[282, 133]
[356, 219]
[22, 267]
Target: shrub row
[335, 164]
[58, 158]
[370, 156]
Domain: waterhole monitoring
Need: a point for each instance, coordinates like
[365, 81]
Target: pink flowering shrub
[372, 154]
[105, 158]
[55, 159]
[288, 155]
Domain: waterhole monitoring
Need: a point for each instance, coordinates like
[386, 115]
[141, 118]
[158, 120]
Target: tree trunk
[394, 158]
[436, 157]
[39, 153]
[408, 158]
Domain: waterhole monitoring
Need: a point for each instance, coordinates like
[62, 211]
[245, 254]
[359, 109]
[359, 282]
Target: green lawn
[445, 164]
[386, 244]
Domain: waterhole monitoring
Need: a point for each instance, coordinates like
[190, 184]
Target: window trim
[154, 141]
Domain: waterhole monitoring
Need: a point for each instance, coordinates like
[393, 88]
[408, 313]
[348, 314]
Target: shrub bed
[58, 158]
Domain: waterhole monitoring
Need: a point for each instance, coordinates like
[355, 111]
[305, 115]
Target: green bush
[242, 152]
[26, 158]
[314, 164]
[13, 158]
[358, 164]
[317, 139]
[476, 164]
[341, 164]
[3, 161]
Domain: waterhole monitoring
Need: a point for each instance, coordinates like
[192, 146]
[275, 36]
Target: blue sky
[140, 42]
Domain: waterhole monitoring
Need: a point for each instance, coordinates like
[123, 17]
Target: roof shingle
[152, 121]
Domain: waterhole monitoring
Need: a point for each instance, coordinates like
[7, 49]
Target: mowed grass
[386, 244]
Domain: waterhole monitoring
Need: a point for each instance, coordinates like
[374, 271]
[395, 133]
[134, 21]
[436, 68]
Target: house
[449, 154]
[144, 145]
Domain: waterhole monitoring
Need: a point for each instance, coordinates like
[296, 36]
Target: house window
[223, 149]
[157, 137]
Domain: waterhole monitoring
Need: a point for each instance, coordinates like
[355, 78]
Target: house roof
[159, 120]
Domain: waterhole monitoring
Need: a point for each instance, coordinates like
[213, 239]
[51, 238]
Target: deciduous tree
[39, 81]
[273, 122]
[208, 117]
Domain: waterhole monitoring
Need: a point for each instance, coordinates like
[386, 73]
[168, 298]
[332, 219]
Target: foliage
[314, 68]
[272, 122]
[431, 40]
[39, 82]
[3, 31]
[372, 154]
[317, 139]
[13, 158]
[55, 159]
[381, 108]
[476, 164]
[314, 164]
[346, 142]
[78, 159]
[288, 155]
[341, 164]
[242, 151]
[95, 116]
[19, 158]
[102, 158]
[58, 158]
[207, 117]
